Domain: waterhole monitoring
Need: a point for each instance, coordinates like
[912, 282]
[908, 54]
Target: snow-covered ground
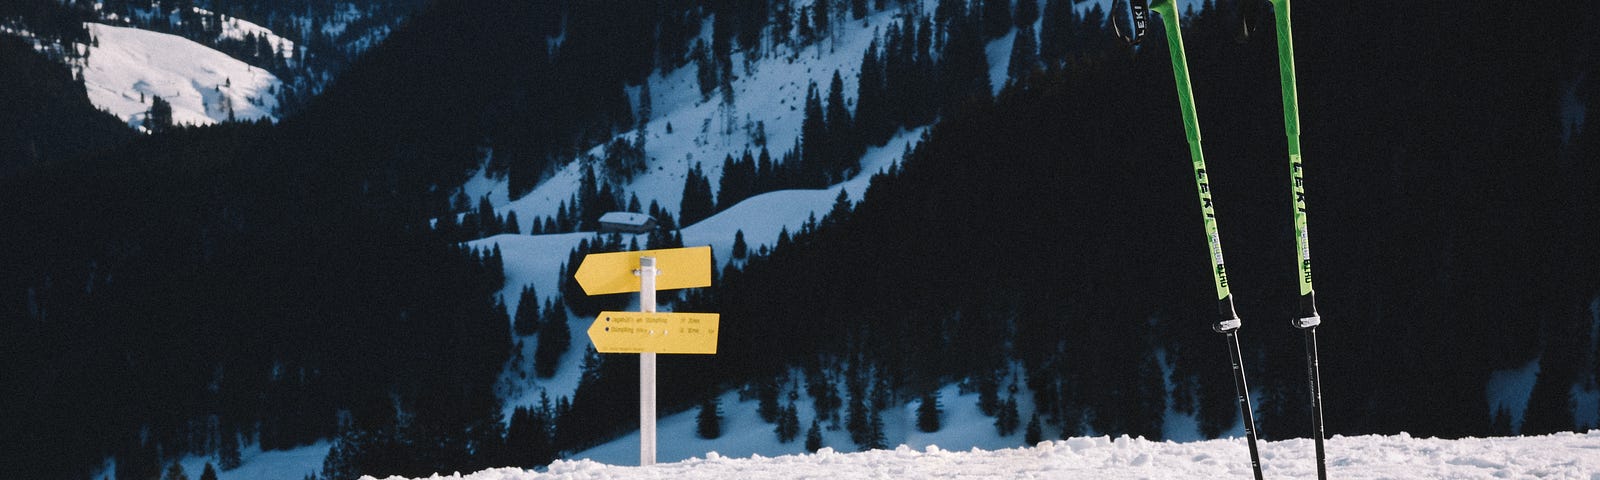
[1559, 456]
[130, 67]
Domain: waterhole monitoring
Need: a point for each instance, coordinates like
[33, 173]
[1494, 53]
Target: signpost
[648, 332]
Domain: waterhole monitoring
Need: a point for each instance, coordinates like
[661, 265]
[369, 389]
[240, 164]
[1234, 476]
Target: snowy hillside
[684, 131]
[1564, 456]
[129, 67]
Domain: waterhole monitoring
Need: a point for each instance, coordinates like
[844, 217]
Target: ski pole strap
[1138, 16]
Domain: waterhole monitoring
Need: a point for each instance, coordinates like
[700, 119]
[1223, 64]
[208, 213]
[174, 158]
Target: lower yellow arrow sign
[659, 332]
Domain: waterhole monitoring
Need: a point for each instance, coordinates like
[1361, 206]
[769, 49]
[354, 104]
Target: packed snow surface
[1563, 455]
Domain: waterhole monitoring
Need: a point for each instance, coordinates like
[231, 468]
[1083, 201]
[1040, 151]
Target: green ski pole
[1229, 323]
[1308, 319]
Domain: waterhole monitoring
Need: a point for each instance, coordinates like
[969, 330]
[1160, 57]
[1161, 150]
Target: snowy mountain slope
[1563, 455]
[772, 92]
[130, 67]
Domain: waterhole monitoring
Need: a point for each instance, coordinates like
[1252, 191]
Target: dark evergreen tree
[697, 203]
[228, 457]
[1024, 55]
[210, 472]
[1056, 31]
[1034, 433]
[843, 146]
[815, 144]
[1027, 13]
[803, 30]
[529, 437]
[740, 248]
[708, 423]
[964, 68]
[511, 225]
[840, 213]
[782, 22]
[822, 18]
[877, 439]
[1500, 423]
[814, 437]
[705, 70]
[928, 413]
[767, 400]
[988, 394]
[159, 117]
[788, 427]
[528, 315]
[858, 9]
[555, 336]
[1007, 419]
[737, 182]
[873, 123]
[646, 106]
[174, 472]
[996, 17]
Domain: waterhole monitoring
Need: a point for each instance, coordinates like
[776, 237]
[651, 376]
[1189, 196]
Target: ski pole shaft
[1314, 382]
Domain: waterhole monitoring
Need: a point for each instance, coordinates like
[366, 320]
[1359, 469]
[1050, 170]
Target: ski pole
[1308, 319]
[1229, 323]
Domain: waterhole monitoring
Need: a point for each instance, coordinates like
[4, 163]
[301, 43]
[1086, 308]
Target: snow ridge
[1562, 455]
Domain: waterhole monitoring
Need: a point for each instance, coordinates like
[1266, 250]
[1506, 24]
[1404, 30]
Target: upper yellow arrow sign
[659, 332]
[605, 273]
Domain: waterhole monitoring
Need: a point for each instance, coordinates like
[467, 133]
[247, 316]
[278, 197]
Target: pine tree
[555, 336]
[813, 437]
[1007, 419]
[842, 149]
[1056, 31]
[821, 17]
[228, 457]
[705, 71]
[873, 123]
[858, 421]
[697, 203]
[740, 248]
[988, 395]
[646, 107]
[1024, 55]
[511, 224]
[210, 473]
[159, 117]
[1034, 433]
[815, 146]
[767, 400]
[840, 213]
[708, 424]
[1027, 13]
[488, 223]
[928, 413]
[528, 314]
[1500, 425]
[996, 18]
[174, 472]
[877, 439]
[788, 423]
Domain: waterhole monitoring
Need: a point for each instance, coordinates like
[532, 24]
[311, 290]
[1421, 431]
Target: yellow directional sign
[659, 332]
[604, 273]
